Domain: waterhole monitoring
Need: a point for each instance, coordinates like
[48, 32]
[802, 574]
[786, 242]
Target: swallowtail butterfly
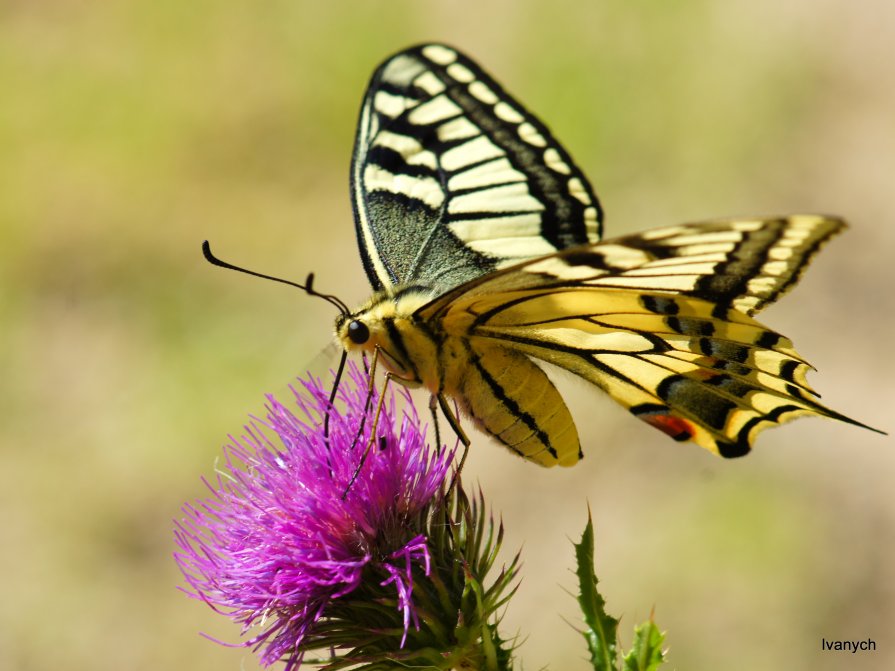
[482, 240]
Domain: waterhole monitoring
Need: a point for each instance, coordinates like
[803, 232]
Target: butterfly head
[385, 327]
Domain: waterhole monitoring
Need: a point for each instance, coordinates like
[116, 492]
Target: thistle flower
[321, 548]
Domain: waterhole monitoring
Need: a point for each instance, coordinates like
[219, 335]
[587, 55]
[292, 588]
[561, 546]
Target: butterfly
[483, 243]
[482, 240]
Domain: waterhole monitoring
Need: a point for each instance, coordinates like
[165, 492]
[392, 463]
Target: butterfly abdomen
[510, 398]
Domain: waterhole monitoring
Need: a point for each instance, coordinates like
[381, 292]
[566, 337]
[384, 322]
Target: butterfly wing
[660, 321]
[742, 264]
[460, 193]
[453, 179]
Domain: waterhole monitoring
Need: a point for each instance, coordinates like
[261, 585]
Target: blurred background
[131, 131]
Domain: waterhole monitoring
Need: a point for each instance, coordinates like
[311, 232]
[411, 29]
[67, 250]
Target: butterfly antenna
[308, 287]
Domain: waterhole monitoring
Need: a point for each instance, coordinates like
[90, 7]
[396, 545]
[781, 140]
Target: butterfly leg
[373, 427]
[433, 400]
[458, 430]
[370, 370]
[452, 419]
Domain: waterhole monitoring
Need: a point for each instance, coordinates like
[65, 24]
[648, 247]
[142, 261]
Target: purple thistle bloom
[281, 542]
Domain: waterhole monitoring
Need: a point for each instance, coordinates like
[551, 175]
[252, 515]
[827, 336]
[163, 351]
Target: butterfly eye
[358, 332]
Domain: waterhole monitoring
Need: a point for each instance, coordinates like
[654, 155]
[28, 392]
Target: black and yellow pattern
[452, 178]
[482, 239]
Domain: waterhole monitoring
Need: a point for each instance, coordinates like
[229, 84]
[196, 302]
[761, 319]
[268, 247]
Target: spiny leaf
[601, 631]
[646, 652]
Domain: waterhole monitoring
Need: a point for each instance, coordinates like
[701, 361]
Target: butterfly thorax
[387, 326]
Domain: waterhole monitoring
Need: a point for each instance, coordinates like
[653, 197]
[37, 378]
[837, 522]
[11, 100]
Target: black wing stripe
[435, 128]
[774, 381]
[760, 259]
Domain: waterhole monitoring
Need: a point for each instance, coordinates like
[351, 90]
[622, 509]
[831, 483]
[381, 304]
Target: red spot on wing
[677, 428]
[704, 373]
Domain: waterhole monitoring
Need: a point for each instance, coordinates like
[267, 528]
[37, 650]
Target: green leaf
[601, 630]
[646, 651]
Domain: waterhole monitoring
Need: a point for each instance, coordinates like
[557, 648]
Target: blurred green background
[132, 130]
